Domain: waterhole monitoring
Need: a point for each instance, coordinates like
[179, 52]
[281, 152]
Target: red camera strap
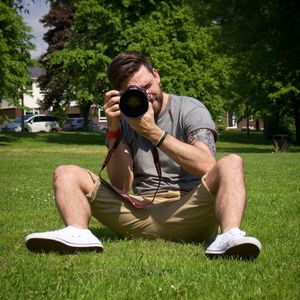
[133, 201]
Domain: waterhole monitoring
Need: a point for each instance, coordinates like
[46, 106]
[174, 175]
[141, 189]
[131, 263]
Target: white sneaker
[234, 243]
[67, 240]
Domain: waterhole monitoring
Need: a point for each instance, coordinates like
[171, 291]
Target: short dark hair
[124, 65]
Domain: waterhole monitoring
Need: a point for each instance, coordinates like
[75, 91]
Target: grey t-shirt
[182, 116]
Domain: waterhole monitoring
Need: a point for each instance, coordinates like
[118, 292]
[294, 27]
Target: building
[30, 99]
[233, 123]
[34, 95]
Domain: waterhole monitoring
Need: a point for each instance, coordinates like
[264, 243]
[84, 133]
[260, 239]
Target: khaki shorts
[173, 215]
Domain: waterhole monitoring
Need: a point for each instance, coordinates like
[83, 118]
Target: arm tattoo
[205, 136]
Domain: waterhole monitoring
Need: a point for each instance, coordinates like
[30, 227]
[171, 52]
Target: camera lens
[134, 102]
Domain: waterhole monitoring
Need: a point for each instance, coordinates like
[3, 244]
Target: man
[197, 195]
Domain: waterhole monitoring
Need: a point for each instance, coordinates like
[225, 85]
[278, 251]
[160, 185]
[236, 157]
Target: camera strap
[133, 201]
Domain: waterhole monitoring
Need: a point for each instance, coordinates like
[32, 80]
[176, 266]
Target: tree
[14, 53]
[166, 31]
[185, 53]
[53, 82]
[265, 36]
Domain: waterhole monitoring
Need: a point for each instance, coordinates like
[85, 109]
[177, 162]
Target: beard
[158, 106]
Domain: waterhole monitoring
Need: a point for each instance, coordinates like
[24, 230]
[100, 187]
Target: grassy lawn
[138, 269]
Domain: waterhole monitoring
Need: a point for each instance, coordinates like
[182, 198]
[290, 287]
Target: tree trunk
[247, 119]
[296, 105]
[85, 109]
[257, 124]
[248, 126]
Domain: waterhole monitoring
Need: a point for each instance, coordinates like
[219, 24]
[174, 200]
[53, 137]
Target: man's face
[143, 78]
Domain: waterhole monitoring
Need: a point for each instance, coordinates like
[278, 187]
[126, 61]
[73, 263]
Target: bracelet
[161, 139]
[113, 134]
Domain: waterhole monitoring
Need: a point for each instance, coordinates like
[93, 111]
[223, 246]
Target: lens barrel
[134, 102]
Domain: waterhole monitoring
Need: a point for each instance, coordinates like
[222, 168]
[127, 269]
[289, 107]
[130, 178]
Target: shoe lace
[73, 232]
[227, 236]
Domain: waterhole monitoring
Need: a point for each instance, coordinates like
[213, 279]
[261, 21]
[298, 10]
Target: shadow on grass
[64, 138]
[256, 138]
[6, 139]
[78, 138]
[228, 142]
[243, 150]
[105, 234]
[240, 142]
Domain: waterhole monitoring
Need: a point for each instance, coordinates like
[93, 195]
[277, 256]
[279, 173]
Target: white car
[32, 123]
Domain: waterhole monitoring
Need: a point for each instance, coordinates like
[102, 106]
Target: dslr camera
[134, 102]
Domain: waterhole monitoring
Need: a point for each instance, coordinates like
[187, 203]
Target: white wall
[30, 100]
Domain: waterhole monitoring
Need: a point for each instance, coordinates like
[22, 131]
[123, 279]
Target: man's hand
[120, 164]
[112, 110]
[146, 126]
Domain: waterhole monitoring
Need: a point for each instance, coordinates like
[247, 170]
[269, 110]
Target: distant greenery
[14, 52]
[237, 56]
[263, 39]
[165, 31]
[138, 269]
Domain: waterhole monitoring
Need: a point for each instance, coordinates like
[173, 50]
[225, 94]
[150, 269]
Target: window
[29, 86]
[49, 119]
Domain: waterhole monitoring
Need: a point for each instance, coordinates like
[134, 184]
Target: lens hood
[134, 102]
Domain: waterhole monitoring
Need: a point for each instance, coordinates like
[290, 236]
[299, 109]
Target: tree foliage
[165, 31]
[14, 53]
[59, 20]
[264, 38]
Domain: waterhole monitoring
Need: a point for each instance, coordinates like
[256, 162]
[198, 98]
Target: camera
[134, 102]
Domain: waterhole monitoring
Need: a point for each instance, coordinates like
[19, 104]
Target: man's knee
[63, 173]
[72, 176]
[231, 162]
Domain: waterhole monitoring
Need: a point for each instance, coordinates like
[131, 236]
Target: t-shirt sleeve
[198, 117]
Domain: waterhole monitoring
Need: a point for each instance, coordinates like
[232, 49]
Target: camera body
[134, 102]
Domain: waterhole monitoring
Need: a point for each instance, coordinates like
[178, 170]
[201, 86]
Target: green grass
[139, 269]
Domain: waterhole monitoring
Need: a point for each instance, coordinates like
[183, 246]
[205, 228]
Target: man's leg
[71, 184]
[226, 181]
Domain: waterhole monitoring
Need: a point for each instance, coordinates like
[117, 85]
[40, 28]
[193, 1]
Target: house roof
[36, 72]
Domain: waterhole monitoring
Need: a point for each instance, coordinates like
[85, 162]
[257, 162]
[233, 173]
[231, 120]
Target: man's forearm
[195, 159]
[119, 169]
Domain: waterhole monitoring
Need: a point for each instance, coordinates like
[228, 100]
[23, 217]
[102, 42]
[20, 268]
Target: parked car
[100, 128]
[42, 123]
[75, 124]
[72, 124]
[14, 125]
[32, 123]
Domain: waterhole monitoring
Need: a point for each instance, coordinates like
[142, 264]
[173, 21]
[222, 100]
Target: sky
[36, 10]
